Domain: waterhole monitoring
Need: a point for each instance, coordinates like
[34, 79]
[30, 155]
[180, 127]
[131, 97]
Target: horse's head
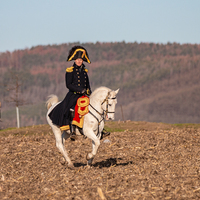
[109, 104]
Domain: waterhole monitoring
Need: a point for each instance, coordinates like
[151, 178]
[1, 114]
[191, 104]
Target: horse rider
[77, 81]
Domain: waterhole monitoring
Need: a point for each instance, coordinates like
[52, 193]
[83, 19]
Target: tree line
[146, 73]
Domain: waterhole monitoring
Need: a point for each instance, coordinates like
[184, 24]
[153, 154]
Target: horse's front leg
[95, 145]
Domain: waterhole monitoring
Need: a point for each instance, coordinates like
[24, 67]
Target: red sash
[81, 109]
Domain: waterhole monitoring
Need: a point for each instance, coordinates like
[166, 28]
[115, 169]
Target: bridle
[105, 112]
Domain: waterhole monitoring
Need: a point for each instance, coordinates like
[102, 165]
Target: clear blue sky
[27, 23]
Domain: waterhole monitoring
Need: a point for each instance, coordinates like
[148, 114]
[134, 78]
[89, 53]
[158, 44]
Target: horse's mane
[99, 90]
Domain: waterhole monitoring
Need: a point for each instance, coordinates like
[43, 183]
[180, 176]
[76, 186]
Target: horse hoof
[89, 156]
[70, 166]
[73, 137]
[89, 162]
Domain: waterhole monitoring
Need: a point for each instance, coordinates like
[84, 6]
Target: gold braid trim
[87, 59]
[64, 128]
[82, 102]
[70, 69]
[79, 124]
[84, 54]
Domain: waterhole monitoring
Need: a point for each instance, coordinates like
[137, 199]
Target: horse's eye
[110, 104]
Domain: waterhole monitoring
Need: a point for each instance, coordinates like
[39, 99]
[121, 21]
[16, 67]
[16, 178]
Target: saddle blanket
[80, 110]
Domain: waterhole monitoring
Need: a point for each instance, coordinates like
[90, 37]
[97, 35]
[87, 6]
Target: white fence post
[17, 111]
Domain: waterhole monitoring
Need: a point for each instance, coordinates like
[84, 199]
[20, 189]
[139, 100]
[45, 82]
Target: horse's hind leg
[60, 145]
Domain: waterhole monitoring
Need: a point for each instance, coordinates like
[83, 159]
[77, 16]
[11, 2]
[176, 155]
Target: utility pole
[16, 99]
[122, 113]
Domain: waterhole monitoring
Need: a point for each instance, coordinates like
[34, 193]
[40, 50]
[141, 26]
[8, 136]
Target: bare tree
[14, 89]
[14, 82]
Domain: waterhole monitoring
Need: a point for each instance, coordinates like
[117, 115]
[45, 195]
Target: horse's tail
[52, 99]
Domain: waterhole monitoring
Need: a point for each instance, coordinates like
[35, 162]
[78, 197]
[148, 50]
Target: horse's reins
[105, 112]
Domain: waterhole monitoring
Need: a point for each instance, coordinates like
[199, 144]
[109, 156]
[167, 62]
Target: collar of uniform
[78, 67]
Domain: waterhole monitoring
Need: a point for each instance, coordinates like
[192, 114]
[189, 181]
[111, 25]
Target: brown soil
[142, 161]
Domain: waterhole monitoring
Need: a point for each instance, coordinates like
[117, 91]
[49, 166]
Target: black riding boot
[104, 134]
[73, 132]
[72, 127]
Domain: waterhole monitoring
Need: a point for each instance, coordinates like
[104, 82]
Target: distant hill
[158, 83]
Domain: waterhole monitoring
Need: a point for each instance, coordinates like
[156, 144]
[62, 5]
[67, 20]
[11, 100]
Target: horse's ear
[116, 91]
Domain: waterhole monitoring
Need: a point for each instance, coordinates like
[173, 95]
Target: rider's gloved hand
[84, 91]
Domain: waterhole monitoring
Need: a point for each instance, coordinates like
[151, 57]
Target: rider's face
[79, 61]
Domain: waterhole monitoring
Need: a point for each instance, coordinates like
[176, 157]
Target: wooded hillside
[158, 83]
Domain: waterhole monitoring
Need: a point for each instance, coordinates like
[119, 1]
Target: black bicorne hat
[78, 52]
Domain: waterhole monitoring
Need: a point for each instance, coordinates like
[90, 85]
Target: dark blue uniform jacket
[77, 80]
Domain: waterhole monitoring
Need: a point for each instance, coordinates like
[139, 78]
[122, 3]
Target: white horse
[102, 106]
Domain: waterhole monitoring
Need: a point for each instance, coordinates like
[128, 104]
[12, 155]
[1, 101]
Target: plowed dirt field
[139, 160]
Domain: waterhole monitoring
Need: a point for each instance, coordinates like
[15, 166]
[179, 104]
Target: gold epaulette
[86, 70]
[70, 69]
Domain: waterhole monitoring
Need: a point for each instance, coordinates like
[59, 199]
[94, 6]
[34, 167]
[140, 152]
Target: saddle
[80, 110]
[77, 116]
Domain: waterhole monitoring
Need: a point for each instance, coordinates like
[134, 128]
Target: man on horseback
[77, 82]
